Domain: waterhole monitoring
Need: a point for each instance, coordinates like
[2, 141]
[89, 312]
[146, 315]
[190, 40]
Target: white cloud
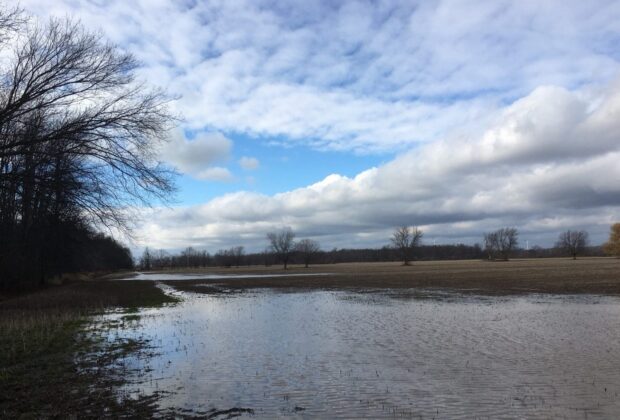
[195, 157]
[215, 173]
[249, 163]
[354, 75]
[548, 162]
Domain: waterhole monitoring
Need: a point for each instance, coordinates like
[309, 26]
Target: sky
[345, 119]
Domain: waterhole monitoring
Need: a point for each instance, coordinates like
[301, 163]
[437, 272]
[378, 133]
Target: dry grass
[561, 276]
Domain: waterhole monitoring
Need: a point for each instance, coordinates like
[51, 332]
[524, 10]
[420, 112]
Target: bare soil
[551, 275]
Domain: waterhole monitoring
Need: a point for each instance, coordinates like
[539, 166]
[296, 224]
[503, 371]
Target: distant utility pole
[527, 245]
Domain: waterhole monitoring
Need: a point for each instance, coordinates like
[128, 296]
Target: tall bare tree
[12, 22]
[307, 248]
[572, 242]
[406, 239]
[490, 244]
[238, 252]
[501, 242]
[77, 141]
[282, 244]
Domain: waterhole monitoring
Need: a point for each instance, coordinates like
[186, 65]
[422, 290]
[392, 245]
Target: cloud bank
[548, 162]
[356, 75]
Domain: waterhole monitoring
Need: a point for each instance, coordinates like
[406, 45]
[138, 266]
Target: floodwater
[333, 354]
[202, 276]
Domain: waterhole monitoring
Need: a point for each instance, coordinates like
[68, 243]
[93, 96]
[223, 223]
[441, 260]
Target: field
[558, 276]
[42, 332]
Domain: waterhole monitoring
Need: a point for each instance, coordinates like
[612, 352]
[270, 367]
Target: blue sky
[344, 119]
[280, 169]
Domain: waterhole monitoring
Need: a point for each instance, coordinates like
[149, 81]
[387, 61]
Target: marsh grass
[42, 332]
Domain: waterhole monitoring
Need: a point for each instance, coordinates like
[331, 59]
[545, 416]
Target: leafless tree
[307, 248]
[12, 21]
[238, 252]
[490, 244]
[406, 239]
[572, 242]
[501, 242]
[146, 260]
[78, 136]
[282, 244]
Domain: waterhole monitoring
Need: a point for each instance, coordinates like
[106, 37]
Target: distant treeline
[236, 257]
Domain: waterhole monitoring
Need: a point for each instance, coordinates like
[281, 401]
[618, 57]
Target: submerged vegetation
[41, 335]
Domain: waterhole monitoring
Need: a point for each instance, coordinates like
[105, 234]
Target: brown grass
[560, 276]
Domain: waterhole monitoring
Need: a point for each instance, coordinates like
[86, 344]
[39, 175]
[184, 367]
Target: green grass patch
[42, 332]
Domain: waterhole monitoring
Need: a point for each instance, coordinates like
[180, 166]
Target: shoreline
[551, 276]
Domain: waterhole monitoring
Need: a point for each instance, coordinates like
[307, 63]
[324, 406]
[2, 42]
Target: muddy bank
[553, 276]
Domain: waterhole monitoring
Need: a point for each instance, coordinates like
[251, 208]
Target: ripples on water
[343, 354]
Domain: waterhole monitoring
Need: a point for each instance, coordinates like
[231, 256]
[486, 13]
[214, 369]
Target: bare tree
[307, 248]
[238, 252]
[282, 244]
[508, 241]
[406, 240]
[490, 244]
[572, 242]
[78, 137]
[501, 242]
[12, 21]
[146, 260]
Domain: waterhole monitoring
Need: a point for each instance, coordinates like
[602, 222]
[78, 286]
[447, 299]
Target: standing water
[348, 354]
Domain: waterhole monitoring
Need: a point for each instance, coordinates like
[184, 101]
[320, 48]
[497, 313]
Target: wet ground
[389, 353]
[205, 276]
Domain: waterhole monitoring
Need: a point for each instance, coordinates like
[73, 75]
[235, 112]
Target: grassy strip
[40, 334]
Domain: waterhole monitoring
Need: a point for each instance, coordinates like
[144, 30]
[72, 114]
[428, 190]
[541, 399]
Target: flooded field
[381, 354]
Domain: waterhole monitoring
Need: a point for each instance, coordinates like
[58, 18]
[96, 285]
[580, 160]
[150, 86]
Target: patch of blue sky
[280, 169]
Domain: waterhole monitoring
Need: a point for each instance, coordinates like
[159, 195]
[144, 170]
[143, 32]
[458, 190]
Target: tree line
[77, 137]
[406, 246]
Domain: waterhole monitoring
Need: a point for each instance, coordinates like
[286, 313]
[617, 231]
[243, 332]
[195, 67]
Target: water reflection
[344, 354]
